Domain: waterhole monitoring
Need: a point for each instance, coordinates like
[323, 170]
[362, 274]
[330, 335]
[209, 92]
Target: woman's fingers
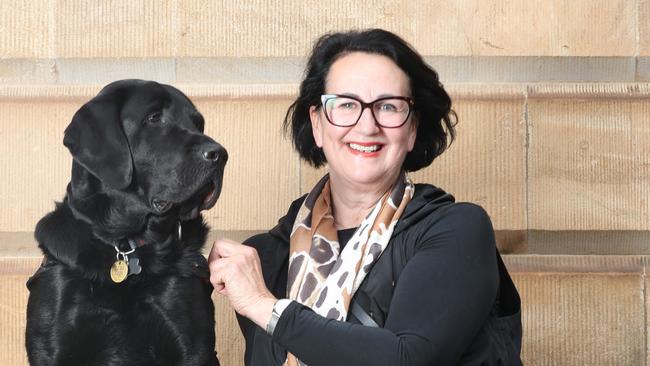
[221, 249]
[216, 265]
[228, 248]
[235, 271]
[214, 253]
[231, 265]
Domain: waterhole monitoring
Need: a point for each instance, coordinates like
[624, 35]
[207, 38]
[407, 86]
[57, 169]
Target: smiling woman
[362, 155]
[369, 268]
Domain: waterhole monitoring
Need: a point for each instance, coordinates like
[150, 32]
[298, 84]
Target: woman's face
[364, 154]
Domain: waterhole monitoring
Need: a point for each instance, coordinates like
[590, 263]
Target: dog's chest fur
[138, 319]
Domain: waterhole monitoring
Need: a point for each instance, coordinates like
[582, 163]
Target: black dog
[123, 280]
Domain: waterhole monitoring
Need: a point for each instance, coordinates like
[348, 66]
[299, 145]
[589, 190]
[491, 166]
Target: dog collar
[139, 242]
[126, 264]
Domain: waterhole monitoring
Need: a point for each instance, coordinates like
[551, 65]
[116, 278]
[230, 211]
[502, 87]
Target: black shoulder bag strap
[361, 315]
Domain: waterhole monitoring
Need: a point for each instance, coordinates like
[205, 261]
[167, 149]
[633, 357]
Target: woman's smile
[364, 154]
[367, 149]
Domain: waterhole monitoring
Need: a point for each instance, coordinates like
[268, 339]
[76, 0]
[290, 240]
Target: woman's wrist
[260, 312]
[278, 309]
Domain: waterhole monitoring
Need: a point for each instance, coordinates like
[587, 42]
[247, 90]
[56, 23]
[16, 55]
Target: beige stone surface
[309, 176]
[647, 316]
[261, 176]
[115, 28]
[34, 164]
[582, 319]
[13, 310]
[643, 69]
[576, 264]
[24, 30]
[588, 165]
[19, 244]
[256, 28]
[262, 28]
[240, 70]
[27, 71]
[623, 242]
[515, 28]
[237, 70]
[644, 27]
[641, 173]
[518, 69]
[486, 163]
[443, 27]
[100, 71]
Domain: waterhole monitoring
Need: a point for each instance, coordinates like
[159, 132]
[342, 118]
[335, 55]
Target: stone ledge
[515, 244]
[19, 254]
[571, 264]
[289, 70]
[23, 246]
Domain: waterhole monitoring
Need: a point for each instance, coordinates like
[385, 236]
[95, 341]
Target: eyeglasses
[345, 110]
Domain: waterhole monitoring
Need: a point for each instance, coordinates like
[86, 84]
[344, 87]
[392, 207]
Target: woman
[370, 269]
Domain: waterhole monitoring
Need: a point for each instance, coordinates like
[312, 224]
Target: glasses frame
[325, 97]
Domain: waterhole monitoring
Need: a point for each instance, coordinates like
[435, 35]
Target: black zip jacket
[439, 293]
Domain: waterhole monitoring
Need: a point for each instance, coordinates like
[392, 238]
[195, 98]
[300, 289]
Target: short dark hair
[432, 104]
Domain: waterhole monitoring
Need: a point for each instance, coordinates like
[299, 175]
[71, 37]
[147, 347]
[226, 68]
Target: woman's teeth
[366, 149]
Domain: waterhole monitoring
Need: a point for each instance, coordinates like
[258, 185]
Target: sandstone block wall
[553, 135]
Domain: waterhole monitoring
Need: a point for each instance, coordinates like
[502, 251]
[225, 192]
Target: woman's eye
[347, 105]
[387, 107]
[154, 118]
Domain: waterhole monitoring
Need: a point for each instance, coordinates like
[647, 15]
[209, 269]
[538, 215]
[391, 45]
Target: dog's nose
[215, 153]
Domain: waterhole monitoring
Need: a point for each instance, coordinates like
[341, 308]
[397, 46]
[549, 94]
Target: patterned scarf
[320, 275]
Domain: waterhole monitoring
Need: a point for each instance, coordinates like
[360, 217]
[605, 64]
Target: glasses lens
[342, 111]
[391, 112]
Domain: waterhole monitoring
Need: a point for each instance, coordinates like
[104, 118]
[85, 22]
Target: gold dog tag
[119, 271]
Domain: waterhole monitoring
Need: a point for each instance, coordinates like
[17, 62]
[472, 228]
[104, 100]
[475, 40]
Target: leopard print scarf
[320, 275]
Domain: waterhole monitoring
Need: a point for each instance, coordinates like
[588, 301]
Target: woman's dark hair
[432, 105]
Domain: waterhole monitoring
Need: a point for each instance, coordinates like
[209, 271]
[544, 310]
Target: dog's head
[139, 148]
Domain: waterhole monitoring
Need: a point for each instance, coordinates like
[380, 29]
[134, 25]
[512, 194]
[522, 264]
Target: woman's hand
[236, 272]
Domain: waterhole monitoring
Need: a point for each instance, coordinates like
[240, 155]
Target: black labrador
[123, 280]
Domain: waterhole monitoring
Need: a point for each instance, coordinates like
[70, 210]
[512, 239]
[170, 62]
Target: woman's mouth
[364, 148]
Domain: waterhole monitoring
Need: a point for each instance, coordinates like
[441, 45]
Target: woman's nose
[367, 122]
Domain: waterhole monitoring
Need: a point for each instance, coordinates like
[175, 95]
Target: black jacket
[439, 290]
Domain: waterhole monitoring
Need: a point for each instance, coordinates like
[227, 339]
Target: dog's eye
[155, 117]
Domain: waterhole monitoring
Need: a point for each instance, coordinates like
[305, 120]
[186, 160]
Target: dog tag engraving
[134, 266]
[119, 271]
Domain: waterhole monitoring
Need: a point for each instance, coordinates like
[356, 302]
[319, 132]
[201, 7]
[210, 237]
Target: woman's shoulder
[466, 214]
[432, 206]
[438, 219]
[464, 220]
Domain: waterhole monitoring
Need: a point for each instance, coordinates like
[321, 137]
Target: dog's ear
[97, 141]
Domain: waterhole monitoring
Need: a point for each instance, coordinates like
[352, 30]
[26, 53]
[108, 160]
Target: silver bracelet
[278, 309]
